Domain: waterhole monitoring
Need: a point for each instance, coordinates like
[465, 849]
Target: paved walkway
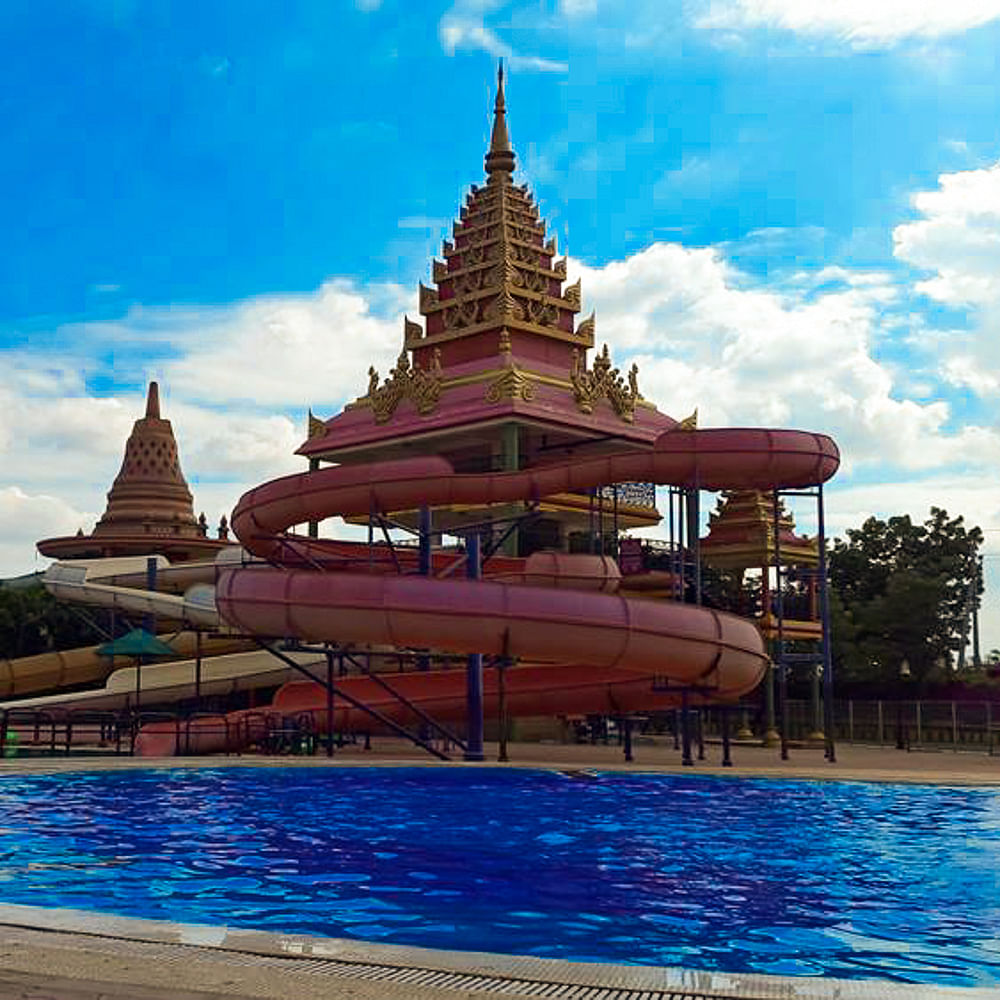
[49, 960]
[854, 763]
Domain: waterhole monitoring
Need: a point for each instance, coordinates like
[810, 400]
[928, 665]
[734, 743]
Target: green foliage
[33, 621]
[901, 593]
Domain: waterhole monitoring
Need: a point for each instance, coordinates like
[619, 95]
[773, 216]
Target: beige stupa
[150, 509]
[150, 494]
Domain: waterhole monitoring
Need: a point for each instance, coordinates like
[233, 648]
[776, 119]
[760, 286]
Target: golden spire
[500, 158]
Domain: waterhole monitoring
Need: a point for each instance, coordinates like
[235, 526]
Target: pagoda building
[497, 376]
[150, 508]
[741, 537]
[744, 534]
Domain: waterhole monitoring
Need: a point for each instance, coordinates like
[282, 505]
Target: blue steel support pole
[313, 529]
[425, 541]
[727, 760]
[474, 667]
[672, 542]
[150, 626]
[686, 759]
[824, 610]
[329, 702]
[424, 567]
[779, 583]
[694, 538]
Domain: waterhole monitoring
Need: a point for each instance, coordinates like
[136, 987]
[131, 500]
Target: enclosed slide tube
[601, 649]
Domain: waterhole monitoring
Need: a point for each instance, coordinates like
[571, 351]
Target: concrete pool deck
[85, 956]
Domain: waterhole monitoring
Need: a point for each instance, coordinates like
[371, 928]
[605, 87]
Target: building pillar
[816, 703]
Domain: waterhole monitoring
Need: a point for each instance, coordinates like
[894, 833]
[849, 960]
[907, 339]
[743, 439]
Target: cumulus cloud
[25, 517]
[860, 23]
[704, 336]
[958, 238]
[955, 243]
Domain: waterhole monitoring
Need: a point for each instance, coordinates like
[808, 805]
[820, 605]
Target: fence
[909, 724]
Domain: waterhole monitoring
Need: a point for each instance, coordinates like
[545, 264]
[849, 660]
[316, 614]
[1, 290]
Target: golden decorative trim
[572, 294]
[689, 423]
[603, 381]
[511, 384]
[428, 298]
[411, 330]
[317, 428]
[422, 386]
[586, 328]
[552, 332]
[504, 306]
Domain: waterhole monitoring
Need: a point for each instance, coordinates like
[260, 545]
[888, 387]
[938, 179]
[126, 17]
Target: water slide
[120, 584]
[583, 650]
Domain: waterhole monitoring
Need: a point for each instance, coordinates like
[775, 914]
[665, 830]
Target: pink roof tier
[500, 343]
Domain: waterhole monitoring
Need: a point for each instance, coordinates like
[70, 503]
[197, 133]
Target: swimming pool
[795, 878]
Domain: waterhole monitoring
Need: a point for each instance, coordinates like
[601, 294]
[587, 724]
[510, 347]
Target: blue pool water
[795, 878]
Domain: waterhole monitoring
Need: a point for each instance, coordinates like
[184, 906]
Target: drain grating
[467, 982]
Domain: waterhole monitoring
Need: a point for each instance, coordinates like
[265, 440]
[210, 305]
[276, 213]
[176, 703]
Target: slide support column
[824, 610]
[474, 668]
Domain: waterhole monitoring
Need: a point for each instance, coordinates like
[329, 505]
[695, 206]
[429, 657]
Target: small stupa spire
[153, 401]
[500, 158]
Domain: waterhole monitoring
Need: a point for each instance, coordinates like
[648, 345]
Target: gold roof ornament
[688, 423]
[604, 382]
[317, 427]
[421, 386]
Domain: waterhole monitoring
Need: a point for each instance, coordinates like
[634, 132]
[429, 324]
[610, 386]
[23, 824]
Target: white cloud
[956, 242]
[958, 238]
[860, 23]
[288, 351]
[463, 26]
[24, 518]
[704, 336]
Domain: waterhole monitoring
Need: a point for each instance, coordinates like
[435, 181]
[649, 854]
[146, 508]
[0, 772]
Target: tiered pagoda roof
[741, 534]
[150, 509]
[500, 338]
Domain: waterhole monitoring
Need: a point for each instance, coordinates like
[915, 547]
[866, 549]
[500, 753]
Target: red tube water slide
[601, 652]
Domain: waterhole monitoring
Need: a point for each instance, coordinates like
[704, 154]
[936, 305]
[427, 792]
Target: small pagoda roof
[499, 342]
[741, 534]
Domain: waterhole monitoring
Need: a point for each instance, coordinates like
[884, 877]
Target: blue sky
[787, 211]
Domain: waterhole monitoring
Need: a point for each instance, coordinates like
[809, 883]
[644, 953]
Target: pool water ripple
[851, 880]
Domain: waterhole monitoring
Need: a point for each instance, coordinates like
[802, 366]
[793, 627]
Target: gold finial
[500, 158]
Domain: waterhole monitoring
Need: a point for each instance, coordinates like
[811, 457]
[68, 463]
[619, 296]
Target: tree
[900, 593]
[33, 621]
